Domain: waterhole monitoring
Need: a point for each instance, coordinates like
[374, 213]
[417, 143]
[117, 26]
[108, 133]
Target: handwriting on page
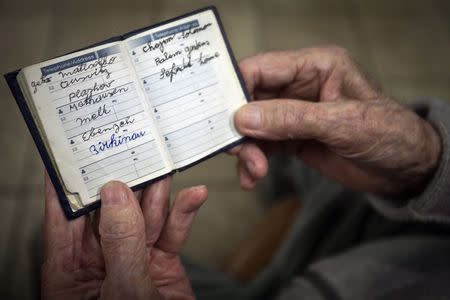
[106, 126]
[176, 66]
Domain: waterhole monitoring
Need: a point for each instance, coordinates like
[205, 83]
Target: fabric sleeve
[400, 268]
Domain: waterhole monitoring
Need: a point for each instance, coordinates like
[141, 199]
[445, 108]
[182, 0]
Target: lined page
[97, 122]
[191, 85]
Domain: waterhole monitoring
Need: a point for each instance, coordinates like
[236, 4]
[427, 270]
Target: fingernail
[250, 166]
[197, 187]
[114, 193]
[249, 116]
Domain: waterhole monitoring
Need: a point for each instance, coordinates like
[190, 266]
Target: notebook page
[97, 124]
[191, 85]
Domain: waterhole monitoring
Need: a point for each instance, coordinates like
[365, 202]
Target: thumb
[122, 238]
[282, 119]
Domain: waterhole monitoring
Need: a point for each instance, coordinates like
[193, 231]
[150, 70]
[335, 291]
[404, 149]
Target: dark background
[404, 44]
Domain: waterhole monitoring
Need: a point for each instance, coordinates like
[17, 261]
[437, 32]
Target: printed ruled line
[97, 194]
[208, 149]
[130, 156]
[193, 133]
[121, 168]
[206, 96]
[199, 148]
[161, 86]
[102, 117]
[181, 149]
[164, 126]
[186, 109]
[93, 143]
[109, 131]
[207, 86]
[97, 161]
[86, 81]
[196, 122]
[93, 95]
[109, 68]
[158, 72]
[94, 110]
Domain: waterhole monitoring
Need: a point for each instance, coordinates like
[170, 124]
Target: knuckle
[337, 56]
[341, 55]
[246, 63]
[344, 124]
[124, 226]
[286, 119]
[338, 51]
[366, 117]
[249, 62]
[380, 123]
[151, 238]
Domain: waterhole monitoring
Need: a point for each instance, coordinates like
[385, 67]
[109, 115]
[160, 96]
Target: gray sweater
[399, 252]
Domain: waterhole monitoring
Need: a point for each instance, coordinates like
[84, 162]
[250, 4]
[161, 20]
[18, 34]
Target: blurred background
[403, 44]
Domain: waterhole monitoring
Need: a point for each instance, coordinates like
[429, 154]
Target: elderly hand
[130, 252]
[320, 107]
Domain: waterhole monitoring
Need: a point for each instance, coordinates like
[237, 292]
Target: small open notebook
[134, 108]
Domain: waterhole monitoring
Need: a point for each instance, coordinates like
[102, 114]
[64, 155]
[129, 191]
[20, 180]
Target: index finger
[268, 71]
[155, 208]
[288, 74]
[304, 73]
[180, 219]
[57, 228]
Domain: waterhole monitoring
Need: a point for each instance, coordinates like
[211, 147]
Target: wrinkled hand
[322, 108]
[131, 251]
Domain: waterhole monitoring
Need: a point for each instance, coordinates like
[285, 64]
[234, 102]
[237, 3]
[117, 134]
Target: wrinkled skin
[320, 107]
[130, 250]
